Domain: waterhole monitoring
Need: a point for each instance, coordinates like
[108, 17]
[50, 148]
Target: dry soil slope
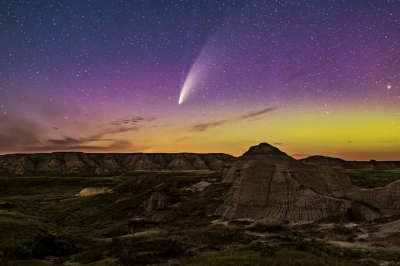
[270, 185]
[386, 199]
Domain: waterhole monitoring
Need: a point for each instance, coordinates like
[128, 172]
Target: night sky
[310, 77]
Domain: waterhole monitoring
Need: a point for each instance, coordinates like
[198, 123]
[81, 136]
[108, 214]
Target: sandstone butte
[269, 185]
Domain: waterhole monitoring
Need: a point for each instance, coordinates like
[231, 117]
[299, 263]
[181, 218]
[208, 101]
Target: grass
[373, 178]
[31, 206]
[23, 263]
[50, 188]
[42, 216]
[292, 253]
[17, 228]
[267, 228]
[247, 257]
[52, 199]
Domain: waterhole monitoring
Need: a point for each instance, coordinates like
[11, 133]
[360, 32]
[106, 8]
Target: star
[198, 63]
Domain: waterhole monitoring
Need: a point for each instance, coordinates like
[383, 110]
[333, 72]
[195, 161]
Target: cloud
[182, 139]
[117, 146]
[257, 113]
[131, 121]
[19, 134]
[298, 74]
[206, 126]
[85, 143]
[64, 142]
[16, 132]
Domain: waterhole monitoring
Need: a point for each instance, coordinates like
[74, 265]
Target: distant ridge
[97, 163]
[79, 162]
[367, 165]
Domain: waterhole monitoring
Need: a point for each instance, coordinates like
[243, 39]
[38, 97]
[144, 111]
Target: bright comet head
[188, 86]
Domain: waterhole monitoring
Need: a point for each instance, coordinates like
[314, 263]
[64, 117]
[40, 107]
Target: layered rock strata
[77, 162]
[267, 184]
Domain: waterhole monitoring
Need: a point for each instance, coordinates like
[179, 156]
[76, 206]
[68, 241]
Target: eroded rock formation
[78, 162]
[270, 185]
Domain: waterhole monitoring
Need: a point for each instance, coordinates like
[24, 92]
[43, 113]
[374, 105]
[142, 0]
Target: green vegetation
[248, 257]
[267, 228]
[44, 222]
[373, 178]
[5, 262]
[43, 216]
[291, 251]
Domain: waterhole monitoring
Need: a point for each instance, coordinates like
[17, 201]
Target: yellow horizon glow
[351, 135]
[347, 133]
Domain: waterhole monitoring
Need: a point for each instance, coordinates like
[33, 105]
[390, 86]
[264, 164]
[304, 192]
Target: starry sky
[310, 77]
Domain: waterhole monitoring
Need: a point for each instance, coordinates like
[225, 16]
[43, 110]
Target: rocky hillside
[155, 217]
[267, 184]
[367, 165]
[77, 162]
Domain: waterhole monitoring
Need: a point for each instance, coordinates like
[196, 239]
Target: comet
[202, 70]
[196, 76]
[189, 84]
[205, 67]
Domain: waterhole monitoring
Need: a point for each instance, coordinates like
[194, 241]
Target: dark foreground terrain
[165, 218]
[262, 208]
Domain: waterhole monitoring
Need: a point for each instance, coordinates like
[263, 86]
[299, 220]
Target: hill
[365, 165]
[96, 163]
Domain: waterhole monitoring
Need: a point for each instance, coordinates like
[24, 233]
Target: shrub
[20, 252]
[45, 245]
[60, 261]
[267, 228]
[369, 262]
[264, 249]
[342, 230]
[89, 256]
[301, 245]
[128, 259]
